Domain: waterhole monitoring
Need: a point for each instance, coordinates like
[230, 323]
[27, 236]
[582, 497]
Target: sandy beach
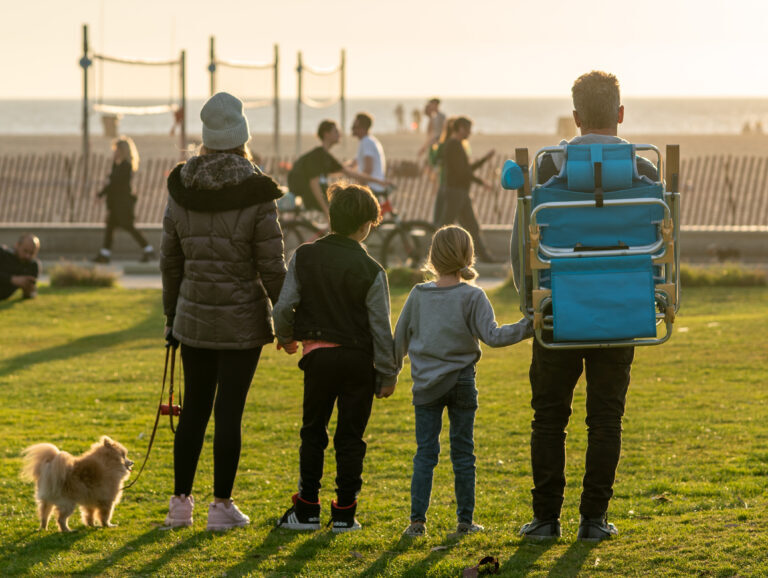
[396, 146]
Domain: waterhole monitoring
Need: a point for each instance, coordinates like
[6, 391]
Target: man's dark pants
[553, 375]
[335, 376]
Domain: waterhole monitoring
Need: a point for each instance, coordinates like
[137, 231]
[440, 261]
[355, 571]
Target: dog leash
[170, 355]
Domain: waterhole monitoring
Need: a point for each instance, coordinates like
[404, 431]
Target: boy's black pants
[553, 375]
[335, 376]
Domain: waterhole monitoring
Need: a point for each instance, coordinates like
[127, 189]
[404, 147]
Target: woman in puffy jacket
[222, 264]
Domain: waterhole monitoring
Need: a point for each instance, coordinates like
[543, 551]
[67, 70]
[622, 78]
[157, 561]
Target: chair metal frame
[536, 257]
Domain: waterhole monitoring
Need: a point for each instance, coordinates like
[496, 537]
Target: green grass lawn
[690, 492]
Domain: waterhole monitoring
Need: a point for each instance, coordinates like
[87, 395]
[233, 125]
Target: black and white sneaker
[343, 518]
[541, 529]
[302, 515]
[595, 529]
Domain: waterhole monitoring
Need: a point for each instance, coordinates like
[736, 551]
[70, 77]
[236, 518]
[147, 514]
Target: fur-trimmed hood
[220, 182]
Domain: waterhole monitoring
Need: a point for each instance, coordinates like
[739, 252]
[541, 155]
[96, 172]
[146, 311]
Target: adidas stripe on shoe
[302, 515]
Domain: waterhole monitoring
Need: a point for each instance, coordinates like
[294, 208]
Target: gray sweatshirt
[439, 329]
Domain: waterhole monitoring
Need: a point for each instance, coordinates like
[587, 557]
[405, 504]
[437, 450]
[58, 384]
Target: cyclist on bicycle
[309, 176]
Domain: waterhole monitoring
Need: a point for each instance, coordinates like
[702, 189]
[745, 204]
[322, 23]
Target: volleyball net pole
[326, 102]
[224, 75]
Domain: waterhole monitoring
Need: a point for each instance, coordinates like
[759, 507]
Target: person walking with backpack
[222, 268]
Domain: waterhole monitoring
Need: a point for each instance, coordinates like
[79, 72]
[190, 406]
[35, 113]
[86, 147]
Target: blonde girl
[121, 201]
[439, 329]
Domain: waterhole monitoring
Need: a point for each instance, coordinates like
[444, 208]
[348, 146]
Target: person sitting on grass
[19, 268]
[335, 300]
[439, 328]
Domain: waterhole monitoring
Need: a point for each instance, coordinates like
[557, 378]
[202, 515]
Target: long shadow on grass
[83, 345]
[20, 559]
[570, 563]
[192, 542]
[127, 549]
[276, 540]
[420, 568]
[522, 561]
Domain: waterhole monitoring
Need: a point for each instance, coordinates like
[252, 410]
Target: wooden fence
[716, 191]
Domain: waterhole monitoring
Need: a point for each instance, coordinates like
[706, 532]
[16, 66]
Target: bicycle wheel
[407, 245]
[296, 233]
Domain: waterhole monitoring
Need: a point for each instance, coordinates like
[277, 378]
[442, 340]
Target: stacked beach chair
[598, 244]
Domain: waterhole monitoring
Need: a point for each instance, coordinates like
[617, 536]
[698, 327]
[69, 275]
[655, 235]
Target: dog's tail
[44, 460]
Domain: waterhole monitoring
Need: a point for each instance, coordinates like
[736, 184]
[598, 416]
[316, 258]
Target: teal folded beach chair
[599, 246]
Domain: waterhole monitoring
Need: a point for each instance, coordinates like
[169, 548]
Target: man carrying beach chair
[554, 372]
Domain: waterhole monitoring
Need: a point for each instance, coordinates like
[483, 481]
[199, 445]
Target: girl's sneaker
[179, 511]
[302, 515]
[464, 529]
[223, 516]
[416, 530]
[343, 518]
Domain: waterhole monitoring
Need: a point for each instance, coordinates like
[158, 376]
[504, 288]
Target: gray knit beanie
[224, 124]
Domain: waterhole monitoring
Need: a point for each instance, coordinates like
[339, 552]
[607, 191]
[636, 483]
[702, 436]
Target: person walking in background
[335, 300]
[459, 176]
[121, 201]
[416, 120]
[554, 372]
[370, 160]
[439, 328]
[436, 160]
[435, 126]
[308, 177]
[222, 264]
[400, 117]
[20, 268]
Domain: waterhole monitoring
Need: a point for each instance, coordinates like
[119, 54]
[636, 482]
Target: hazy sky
[406, 47]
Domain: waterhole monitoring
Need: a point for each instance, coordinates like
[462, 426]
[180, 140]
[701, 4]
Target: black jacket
[335, 274]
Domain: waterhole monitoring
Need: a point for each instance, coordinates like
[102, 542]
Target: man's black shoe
[541, 529]
[596, 529]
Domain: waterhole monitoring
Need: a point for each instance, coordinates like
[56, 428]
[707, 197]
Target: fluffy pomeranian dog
[92, 481]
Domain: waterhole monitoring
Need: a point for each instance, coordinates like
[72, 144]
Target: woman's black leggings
[215, 380]
[114, 223]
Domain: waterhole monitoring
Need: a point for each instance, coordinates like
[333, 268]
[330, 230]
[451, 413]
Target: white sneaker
[225, 516]
[179, 511]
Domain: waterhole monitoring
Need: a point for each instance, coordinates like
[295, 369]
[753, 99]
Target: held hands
[170, 340]
[385, 391]
[290, 348]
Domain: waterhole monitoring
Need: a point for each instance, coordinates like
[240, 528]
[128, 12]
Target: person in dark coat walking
[121, 201]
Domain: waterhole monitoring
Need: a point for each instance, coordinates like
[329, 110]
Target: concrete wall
[82, 241]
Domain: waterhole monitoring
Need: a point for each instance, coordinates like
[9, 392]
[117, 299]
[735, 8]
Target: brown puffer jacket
[222, 253]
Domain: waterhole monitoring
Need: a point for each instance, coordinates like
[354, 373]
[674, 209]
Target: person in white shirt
[370, 159]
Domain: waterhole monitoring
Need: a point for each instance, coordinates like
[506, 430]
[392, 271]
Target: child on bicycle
[439, 329]
[335, 300]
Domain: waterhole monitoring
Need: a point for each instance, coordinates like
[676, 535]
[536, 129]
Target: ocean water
[491, 116]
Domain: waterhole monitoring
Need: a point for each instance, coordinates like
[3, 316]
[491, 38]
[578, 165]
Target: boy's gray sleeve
[403, 332]
[285, 308]
[377, 302]
[483, 323]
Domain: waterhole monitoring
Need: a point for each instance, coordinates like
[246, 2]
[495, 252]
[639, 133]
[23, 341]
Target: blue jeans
[461, 402]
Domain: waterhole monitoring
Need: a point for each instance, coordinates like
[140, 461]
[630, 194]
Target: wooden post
[521, 158]
[212, 66]
[277, 102]
[298, 107]
[85, 63]
[183, 131]
[343, 98]
[672, 172]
